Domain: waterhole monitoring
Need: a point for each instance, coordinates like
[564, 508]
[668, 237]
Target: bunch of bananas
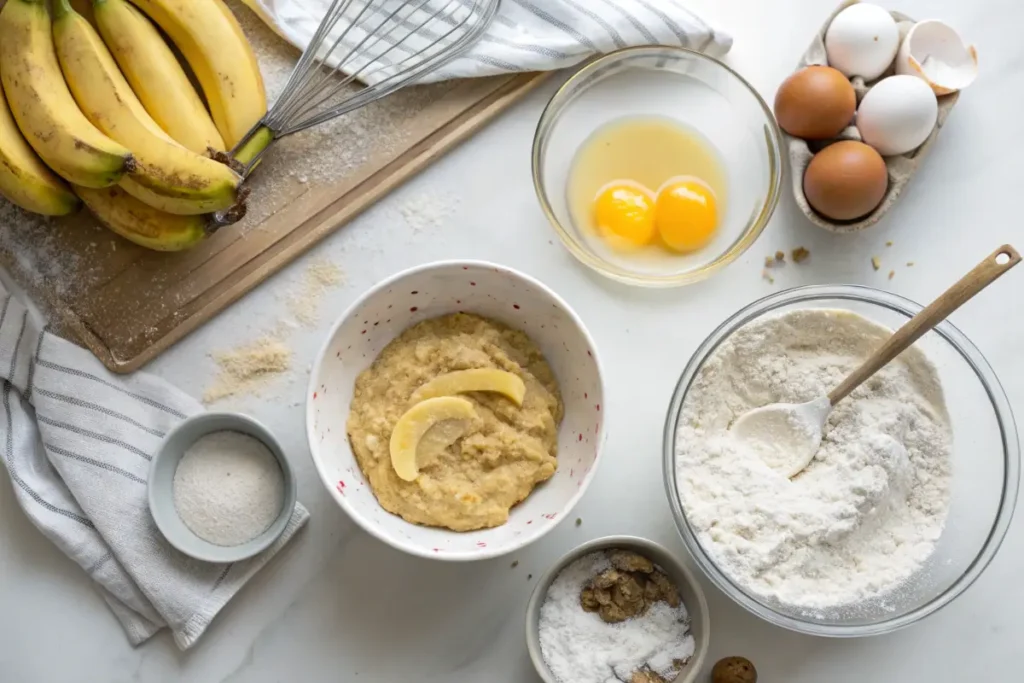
[105, 115]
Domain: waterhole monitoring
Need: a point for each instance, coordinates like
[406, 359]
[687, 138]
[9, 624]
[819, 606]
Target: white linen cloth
[77, 443]
[535, 35]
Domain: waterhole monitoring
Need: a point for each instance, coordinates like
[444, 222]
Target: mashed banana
[472, 474]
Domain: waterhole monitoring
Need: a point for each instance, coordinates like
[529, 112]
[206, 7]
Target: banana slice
[481, 379]
[414, 424]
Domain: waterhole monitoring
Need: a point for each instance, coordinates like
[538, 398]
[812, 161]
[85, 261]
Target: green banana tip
[62, 8]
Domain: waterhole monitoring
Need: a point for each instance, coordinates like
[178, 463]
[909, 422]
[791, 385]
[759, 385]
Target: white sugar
[579, 647]
[228, 488]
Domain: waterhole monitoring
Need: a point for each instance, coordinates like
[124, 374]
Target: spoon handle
[984, 274]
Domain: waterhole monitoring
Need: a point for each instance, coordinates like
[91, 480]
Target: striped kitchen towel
[77, 443]
[526, 35]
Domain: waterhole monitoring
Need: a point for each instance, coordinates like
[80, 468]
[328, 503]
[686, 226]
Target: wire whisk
[362, 51]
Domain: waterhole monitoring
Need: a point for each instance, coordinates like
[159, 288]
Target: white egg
[862, 41]
[897, 114]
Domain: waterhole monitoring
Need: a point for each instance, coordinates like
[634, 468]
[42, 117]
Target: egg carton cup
[901, 168]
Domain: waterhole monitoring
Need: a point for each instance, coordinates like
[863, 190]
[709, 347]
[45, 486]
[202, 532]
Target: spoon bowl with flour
[786, 436]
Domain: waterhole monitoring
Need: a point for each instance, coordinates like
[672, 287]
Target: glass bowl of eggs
[657, 166]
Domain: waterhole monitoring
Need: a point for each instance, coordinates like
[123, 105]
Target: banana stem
[249, 150]
[62, 8]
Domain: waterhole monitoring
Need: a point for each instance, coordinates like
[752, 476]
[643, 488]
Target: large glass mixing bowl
[985, 469]
[694, 90]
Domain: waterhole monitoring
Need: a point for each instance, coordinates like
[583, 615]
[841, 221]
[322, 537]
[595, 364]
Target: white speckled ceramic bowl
[430, 291]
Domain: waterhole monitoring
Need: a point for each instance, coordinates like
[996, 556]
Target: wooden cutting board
[127, 304]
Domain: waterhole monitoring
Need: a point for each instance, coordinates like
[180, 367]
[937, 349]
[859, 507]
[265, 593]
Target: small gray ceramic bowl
[161, 487]
[689, 590]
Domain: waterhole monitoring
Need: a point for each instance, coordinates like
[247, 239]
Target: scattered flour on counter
[304, 303]
[428, 212]
[866, 513]
[579, 647]
[248, 368]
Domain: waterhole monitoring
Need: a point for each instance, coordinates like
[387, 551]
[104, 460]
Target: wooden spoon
[787, 435]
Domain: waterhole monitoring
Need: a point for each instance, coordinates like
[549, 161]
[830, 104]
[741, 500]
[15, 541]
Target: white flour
[579, 647]
[866, 513]
[228, 488]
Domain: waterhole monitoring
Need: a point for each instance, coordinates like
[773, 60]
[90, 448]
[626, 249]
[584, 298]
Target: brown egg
[815, 103]
[846, 180]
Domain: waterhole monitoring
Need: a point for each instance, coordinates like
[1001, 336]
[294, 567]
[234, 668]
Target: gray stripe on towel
[637, 24]
[557, 23]
[95, 435]
[616, 38]
[672, 25]
[94, 463]
[100, 409]
[85, 375]
[13, 469]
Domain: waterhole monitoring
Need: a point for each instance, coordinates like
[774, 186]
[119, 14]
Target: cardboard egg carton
[901, 168]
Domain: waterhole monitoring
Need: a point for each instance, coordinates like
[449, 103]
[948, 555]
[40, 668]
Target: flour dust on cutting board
[327, 153]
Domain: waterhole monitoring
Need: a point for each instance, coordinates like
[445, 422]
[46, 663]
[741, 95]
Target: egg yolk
[685, 214]
[624, 214]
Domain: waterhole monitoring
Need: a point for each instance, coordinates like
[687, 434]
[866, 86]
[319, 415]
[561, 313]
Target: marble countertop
[340, 606]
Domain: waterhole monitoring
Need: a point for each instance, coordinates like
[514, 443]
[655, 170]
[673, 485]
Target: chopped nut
[579, 521]
[876, 262]
[606, 579]
[780, 256]
[769, 262]
[515, 563]
[767, 276]
[626, 561]
[889, 243]
[628, 589]
[667, 589]
[529, 576]
[910, 264]
[800, 254]
[892, 274]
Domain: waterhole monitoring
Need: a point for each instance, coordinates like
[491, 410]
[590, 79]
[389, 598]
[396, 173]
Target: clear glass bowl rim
[971, 355]
[776, 171]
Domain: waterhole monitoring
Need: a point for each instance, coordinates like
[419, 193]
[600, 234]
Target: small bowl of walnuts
[618, 608]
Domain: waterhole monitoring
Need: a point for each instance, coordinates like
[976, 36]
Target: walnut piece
[628, 589]
[734, 670]
[627, 561]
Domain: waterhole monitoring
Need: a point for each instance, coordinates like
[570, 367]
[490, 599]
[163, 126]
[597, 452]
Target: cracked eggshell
[935, 52]
[862, 41]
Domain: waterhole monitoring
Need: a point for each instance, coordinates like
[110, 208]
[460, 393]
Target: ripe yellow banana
[167, 176]
[140, 223]
[24, 179]
[155, 75]
[214, 45]
[44, 108]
